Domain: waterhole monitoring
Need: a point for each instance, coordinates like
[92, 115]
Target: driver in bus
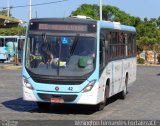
[45, 50]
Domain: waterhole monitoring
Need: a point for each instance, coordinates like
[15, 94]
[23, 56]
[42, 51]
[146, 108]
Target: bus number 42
[70, 88]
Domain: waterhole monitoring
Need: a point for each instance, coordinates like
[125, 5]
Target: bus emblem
[57, 88]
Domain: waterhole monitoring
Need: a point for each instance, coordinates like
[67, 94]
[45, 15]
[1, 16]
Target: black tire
[123, 94]
[3, 61]
[101, 105]
[43, 105]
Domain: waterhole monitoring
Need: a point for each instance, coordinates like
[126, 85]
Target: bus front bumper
[92, 97]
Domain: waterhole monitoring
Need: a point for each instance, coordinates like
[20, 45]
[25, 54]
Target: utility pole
[36, 14]
[100, 9]
[8, 9]
[30, 9]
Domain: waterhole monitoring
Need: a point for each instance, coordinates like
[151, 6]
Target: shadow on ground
[158, 74]
[25, 106]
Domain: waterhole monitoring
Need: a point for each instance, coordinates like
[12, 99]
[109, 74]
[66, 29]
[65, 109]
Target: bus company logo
[57, 88]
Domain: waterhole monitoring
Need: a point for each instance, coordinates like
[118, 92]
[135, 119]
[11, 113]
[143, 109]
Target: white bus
[9, 46]
[77, 61]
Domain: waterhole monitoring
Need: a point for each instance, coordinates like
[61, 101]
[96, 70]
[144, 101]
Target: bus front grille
[59, 82]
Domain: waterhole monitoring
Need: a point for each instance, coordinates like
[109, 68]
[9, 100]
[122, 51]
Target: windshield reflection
[60, 55]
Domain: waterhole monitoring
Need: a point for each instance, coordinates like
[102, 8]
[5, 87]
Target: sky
[140, 8]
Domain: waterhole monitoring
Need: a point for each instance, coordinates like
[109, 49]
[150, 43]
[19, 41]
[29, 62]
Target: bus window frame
[125, 43]
[102, 53]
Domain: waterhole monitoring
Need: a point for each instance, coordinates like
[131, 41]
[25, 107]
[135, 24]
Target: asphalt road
[142, 102]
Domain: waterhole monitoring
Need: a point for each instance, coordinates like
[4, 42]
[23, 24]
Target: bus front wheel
[101, 105]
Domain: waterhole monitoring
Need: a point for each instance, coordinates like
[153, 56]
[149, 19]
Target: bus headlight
[89, 86]
[27, 84]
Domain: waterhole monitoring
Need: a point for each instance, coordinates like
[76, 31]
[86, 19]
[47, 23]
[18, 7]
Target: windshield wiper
[46, 44]
[44, 36]
[74, 45]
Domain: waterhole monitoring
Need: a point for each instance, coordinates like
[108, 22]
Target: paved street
[142, 102]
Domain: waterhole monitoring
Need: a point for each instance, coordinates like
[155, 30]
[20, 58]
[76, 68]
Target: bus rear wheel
[101, 105]
[43, 105]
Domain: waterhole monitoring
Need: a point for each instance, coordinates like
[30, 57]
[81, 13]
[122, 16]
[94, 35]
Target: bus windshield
[60, 55]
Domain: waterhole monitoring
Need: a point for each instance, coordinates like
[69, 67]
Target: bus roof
[102, 24]
[68, 19]
[115, 26]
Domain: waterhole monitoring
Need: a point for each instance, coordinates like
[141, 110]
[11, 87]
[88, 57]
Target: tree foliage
[87, 10]
[12, 31]
[3, 12]
[110, 13]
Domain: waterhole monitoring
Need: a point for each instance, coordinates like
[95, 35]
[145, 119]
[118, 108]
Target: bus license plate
[57, 100]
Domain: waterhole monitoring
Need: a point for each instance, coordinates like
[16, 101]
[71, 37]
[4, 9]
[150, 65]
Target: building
[7, 22]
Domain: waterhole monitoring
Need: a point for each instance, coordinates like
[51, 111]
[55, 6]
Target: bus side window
[129, 37]
[114, 45]
[102, 51]
[126, 45]
[121, 44]
[107, 46]
[134, 45]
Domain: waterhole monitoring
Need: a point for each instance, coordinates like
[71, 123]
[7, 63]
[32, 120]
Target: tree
[87, 10]
[11, 27]
[110, 13]
[13, 31]
[158, 22]
[148, 36]
[5, 13]
[146, 44]
[115, 14]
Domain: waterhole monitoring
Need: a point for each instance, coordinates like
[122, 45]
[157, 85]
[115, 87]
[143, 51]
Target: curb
[10, 67]
[154, 65]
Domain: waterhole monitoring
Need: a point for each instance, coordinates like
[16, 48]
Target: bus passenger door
[102, 75]
[117, 75]
[116, 63]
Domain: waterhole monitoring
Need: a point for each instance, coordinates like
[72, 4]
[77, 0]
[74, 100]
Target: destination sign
[63, 27]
